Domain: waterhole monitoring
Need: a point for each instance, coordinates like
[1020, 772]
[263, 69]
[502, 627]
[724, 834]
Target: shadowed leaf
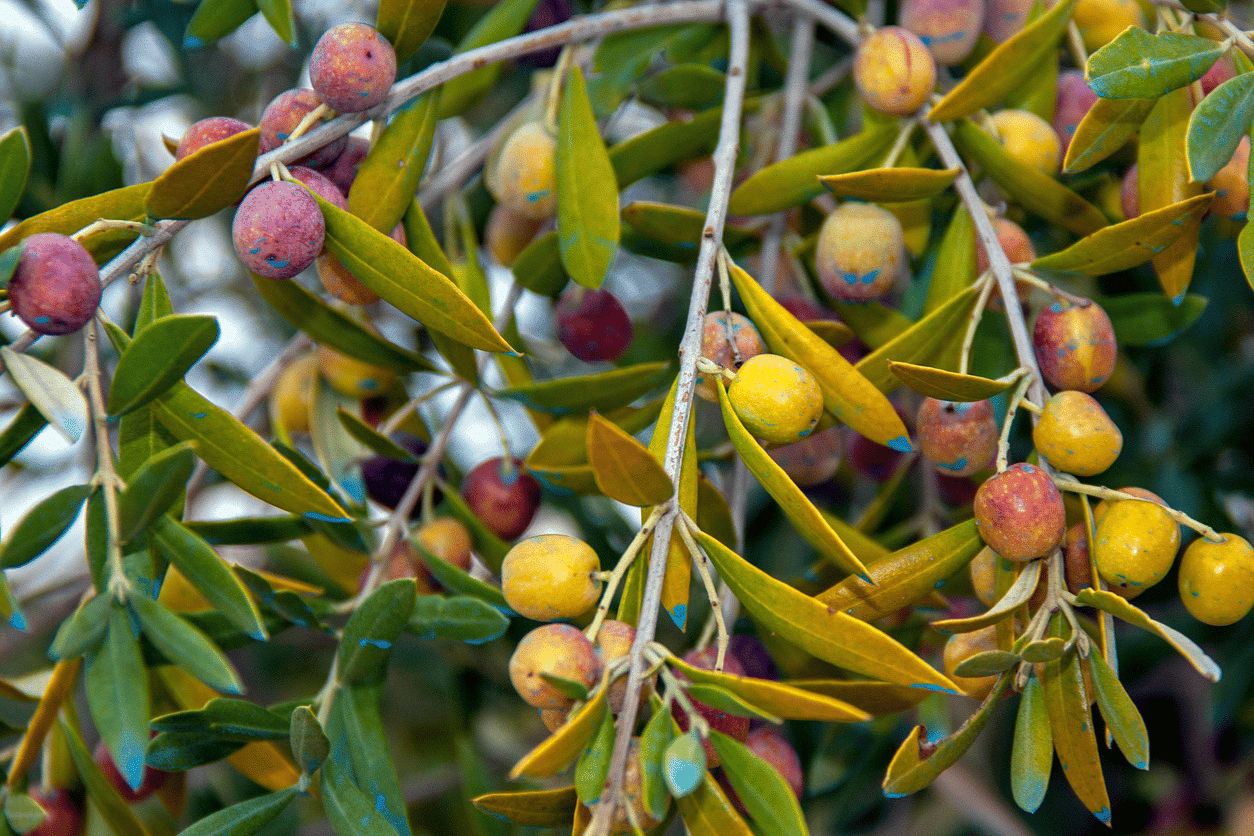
[624, 468]
[945, 385]
[1106, 128]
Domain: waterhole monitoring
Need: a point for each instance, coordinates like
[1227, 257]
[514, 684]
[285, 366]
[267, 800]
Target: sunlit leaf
[125, 204]
[1071, 724]
[880, 185]
[209, 179]
[158, 357]
[945, 385]
[50, 391]
[387, 181]
[531, 808]
[987, 663]
[564, 745]
[665, 145]
[1017, 595]
[1163, 180]
[1124, 611]
[778, 698]
[1106, 128]
[278, 13]
[603, 392]
[706, 811]
[587, 196]
[1140, 65]
[927, 340]
[673, 233]
[594, 764]
[1217, 125]
[407, 24]
[760, 787]
[215, 19]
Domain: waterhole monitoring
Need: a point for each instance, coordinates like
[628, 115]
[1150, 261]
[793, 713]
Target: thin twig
[106, 474]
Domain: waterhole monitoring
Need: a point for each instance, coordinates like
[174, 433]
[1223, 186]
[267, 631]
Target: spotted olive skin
[526, 172]
[894, 71]
[278, 230]
[717, 346]
[505, 499]
[719, 720]
[1015, 243]
[861, 252]
[1135, 544]
[551, 576]
[592, 324]
[1075, 434]
[778, 401]
[1029, 139]
[208, 131]
[1217, 580]
[1074, 346]
[1100, 509]
[56, 286]
[558, 650]
[958, 438]
[948, 28]
[769, 744]
[983, 571]
[1020, 513]
[282, 116]
[352, 67]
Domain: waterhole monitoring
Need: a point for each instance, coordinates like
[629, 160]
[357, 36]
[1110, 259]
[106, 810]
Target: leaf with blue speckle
[104, 796]
[1071, 723]
[657, 736]
[683, 765]
[1217, 126]
[1123, 720]
[387, 181]
[117, 694]
[1140, 65]
[356, 726]
[184, 645]
[350, 811]
[760, 788]
[461, 617]
[1032, 751]
[531, 808]
[50, 391]
[1106, 128]
[367, 641]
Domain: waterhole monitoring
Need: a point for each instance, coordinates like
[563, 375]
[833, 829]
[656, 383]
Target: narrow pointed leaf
[587, 193]
[126, 204]
[209, 179]
[531, 808]
[460, 617]
[1140, 65]
[158, 357]
[624, 468]
[794, 181]
[907, 575]
[1128, 244]
[117, 694]
[83, 630]
[673, 233]
[405, 281]
[706, 811]
[105, 797]
[185, 646]
[350, 811]
[339, 454]
[539, 267]
[455, 579]
[327, 326]
[1150, 318]
[987, 663]
[594, 764]
[1217, 125]
[368, 636]
[1245, 251]
[153, 490]
[847, 394]
[665, 145]
[1032, 753]
[676, 585]
[1007, 68]
[310, 745]
[829, 634]
[369, 437]
[356, 720]
[564, 745]
[10, 611]
[504, 20]
[893, 185]
[387, 181]
[226, 718]
[1071, 724]
[945, 385]
[760, 787]
[603, 392]
[42, 526]
[25, 425]
[278, 13]
[15, 156]
[910, 770]
[407, 24]
[245, 818]
[1036, 192]
[776, 698]
[1124, 611]
[1163, 180]
[729, 702]
[1106, 128]
[1017, 595]
[809, 523]
[214, 19]
[50, 391]
[1123, 721]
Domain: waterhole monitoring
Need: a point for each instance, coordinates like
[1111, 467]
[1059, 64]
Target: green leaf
[809, 523]
[1071, 724]
[369, 437]
[185, 646]
[1245, 250]
[947, 386]
[686, 86]
[910, 770]
[624, 468]
[794, 181]
[453, 578]
[1124, 611]
[461, 617]
[310, 745]
[594, 764]
[1032, 753]
[831, 635]
[20, 432]
[760, 788]
[9, 608]
[1036, 192]
[356, 725]
[104, 796]
[683, 765]
[907, 575]
[245, 818]
[1131, 243]
[338, 452]
[154, 304]
[729, 703]
[15, 157]
[243, 457]
[623, 57]
[847, 394]
[388, 178]
[539, 267]
[178, 751]
[50, 391]
[226, 718]
[278, 13]
[405, 280]
[557, 751]
[154, 489]
[673, 233]
[330, 327]
[1123, 721]
[568, 687]
[1007, 68]
[250, 530]
[125, 204]
[504, 20]
[774, 698]
[1138, 65]
[210, 179]
[987, 663]
[603, 392]
[657, 736]
[117, 694]
[350, 811]
[587, 196]
[1217, 125]
[1150, 318]
[215, 19]
[531, 808]
[1162, 181]
[368, 636]
[677, 140]
[83, 630]
[1106, 128]
[207, 572]
[891, 185]
[23, 813]
[42, 526]
[708, 812]
[407, 24]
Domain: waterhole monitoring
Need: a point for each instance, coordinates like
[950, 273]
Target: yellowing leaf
[587, 193]
[624, 468]
[1124, 611]
[831, 635]
[604, 392]
[562, 747]
[947, 386]
[387, 181]
[891, 185]
[205, 181]
[125, 204]
[847, 394]
[777, 698]
[1106, 128]
[1071, 724]
[707, 812]
[676, 584]
[1163, 180]
[926, 340]
[1032, 753]
[1123, 721]
[531, 808]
